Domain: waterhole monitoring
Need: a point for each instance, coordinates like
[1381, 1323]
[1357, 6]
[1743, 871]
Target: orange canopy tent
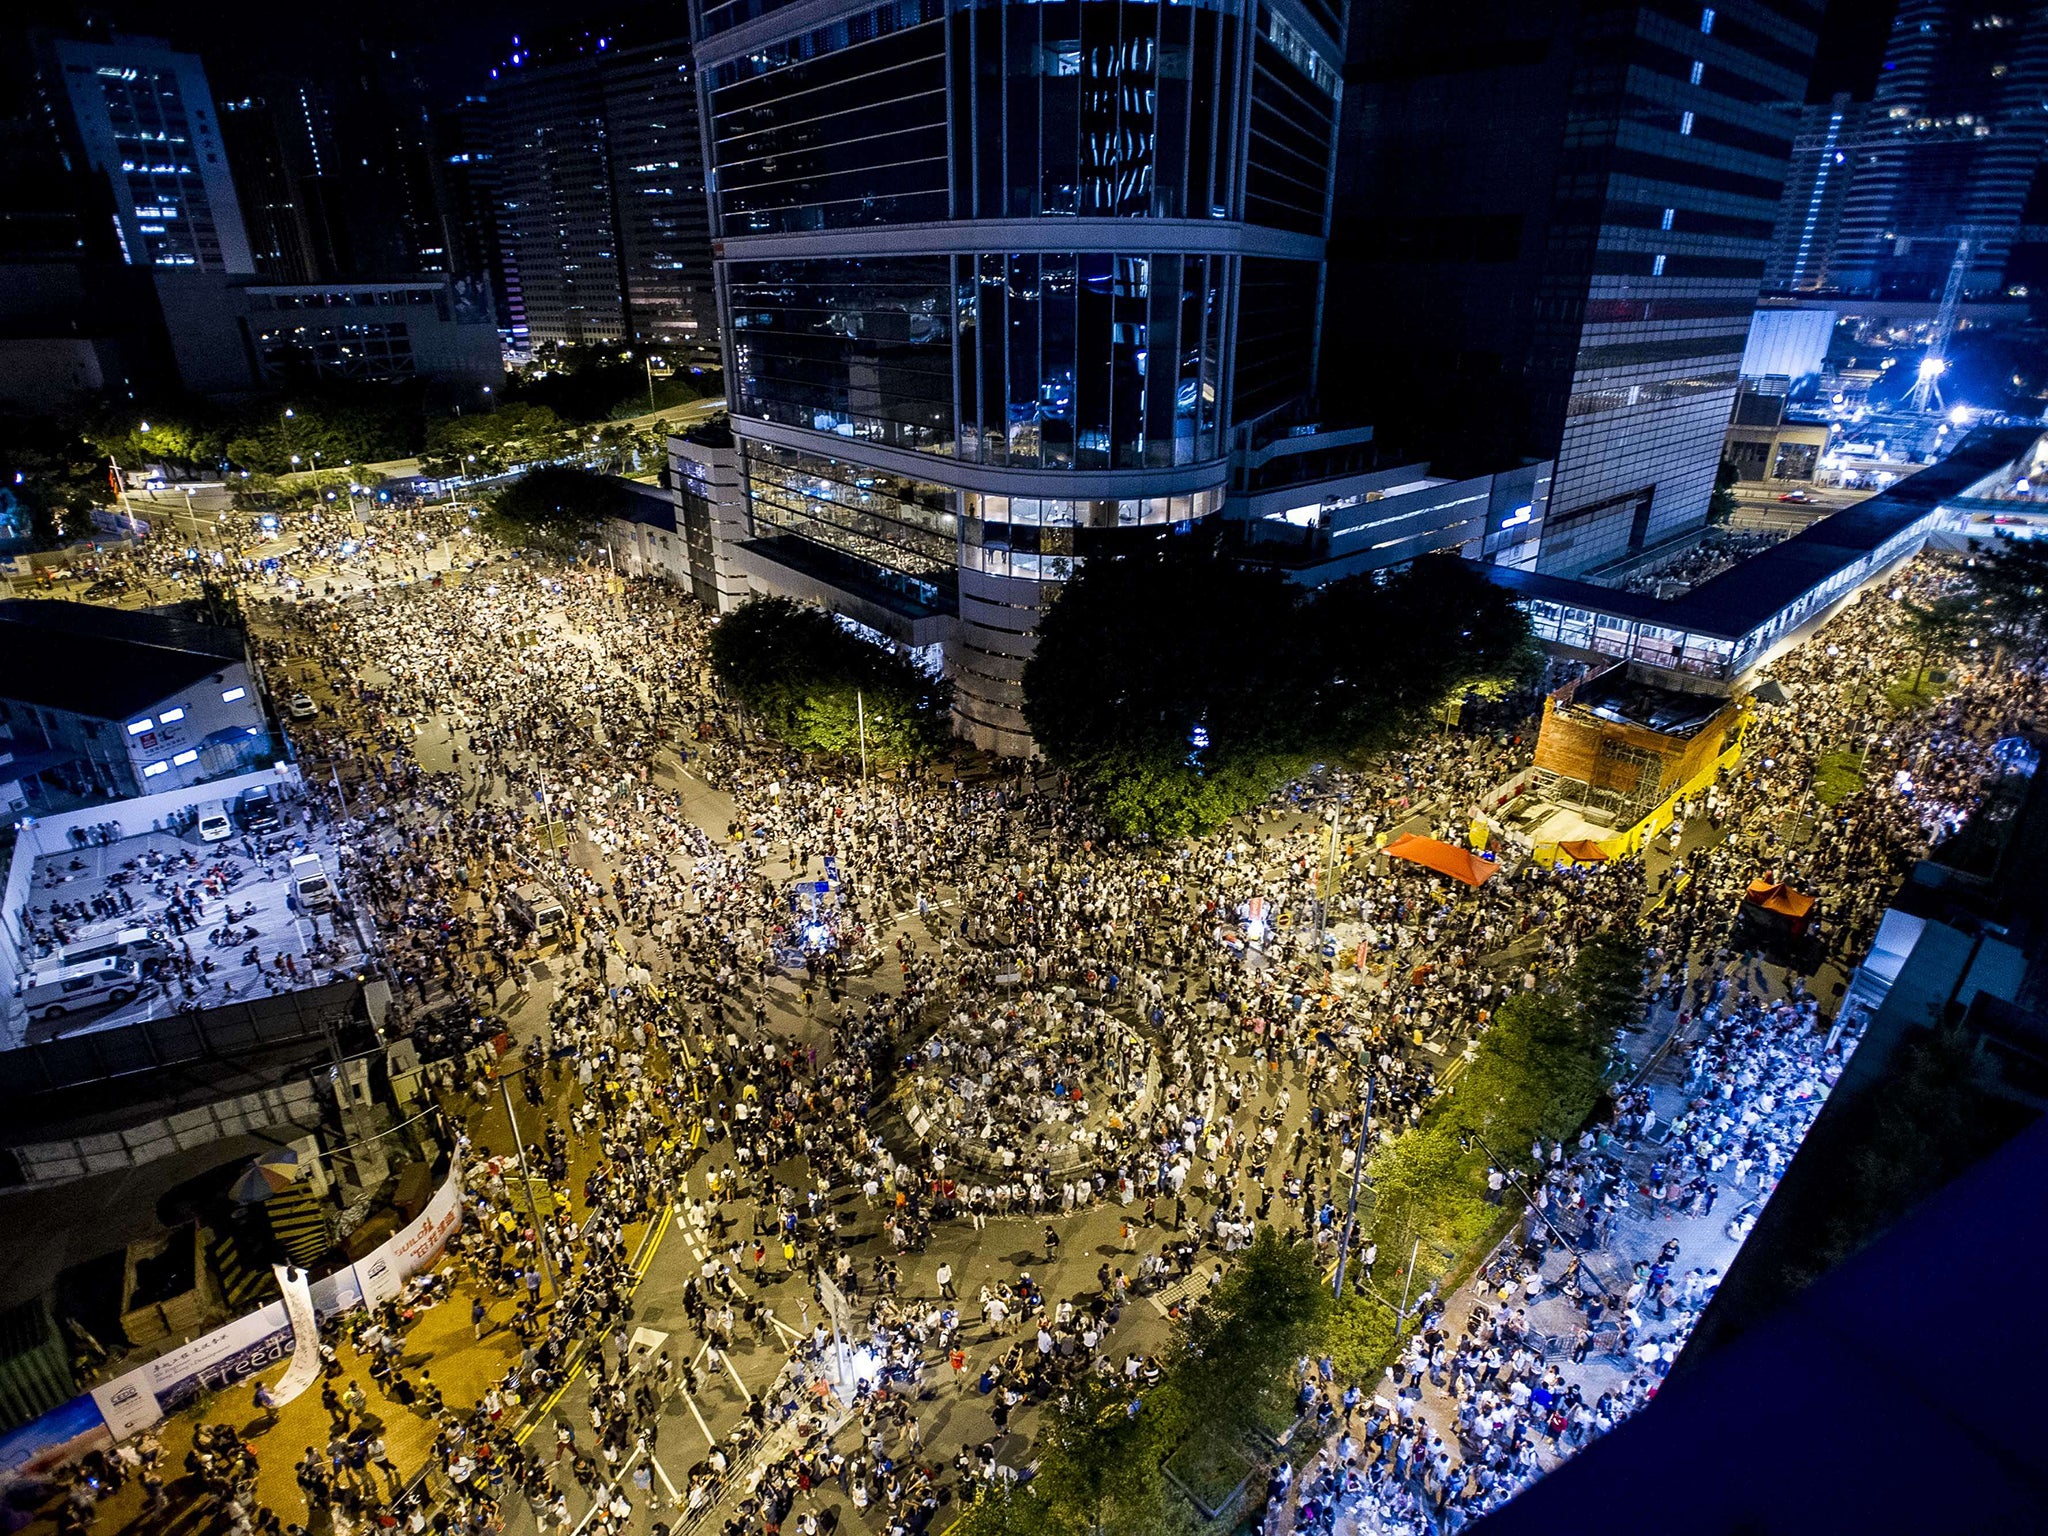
[1443, 858]
[1583, 851]
[1781, 899]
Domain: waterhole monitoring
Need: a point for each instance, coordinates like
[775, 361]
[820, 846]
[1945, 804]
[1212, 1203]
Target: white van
[137, 944]
[311, 888]
[50, 994]
[214, 824]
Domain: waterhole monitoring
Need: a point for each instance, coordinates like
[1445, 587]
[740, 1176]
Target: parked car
[256, 809]
[142, 945]
[312, 891]
[301, 707]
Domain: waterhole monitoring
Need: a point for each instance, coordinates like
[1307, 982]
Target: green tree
[1163, 681]
[1390, 650]
[1721, 504]
[1098, 1469]
[555, 509]
[50, 476]
[484, 443]
[1938, 629]
[1179, 687]
[605, 383]
[1538, 1072]
[2013, 581]
[1237, 1346]
[820, 688]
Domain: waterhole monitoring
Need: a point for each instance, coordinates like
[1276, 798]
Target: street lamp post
[1357, 1174]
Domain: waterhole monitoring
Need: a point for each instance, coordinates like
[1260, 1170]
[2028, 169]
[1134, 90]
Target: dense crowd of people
[992, 1014]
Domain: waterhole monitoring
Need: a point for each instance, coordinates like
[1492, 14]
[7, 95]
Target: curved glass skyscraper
[998, 281]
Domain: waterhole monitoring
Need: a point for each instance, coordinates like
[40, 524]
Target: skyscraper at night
[1824, 152]
[597, 171]
[1000, 280]
[143, 117]
[1553, 222]
[1953, 142]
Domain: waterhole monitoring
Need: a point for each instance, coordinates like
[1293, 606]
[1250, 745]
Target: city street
[753, 1111]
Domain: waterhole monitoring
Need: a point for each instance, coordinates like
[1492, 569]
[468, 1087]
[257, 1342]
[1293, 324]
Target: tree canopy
[600, 384]
[2013, 581]
[819, 687]
[556, 508]
[1180, 687]
[484, 443]
[1101, 1454]
[1937, 629]
[53, 475]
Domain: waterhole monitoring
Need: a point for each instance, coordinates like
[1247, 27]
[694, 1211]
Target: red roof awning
[1443, 858]
[1582, 851]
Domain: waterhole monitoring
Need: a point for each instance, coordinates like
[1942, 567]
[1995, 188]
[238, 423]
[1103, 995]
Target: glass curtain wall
[1085, 360]
[1101, 108]
[841, 126]
[857, 346]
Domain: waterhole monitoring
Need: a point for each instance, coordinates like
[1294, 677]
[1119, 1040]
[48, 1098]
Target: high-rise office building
[597, 169]
[1553, 219]
[74, 318]
[352, 176]
[143, 117]
[657, 174]
[1000, 279]
[279, 145]
[1955, 136]
[466, 165]
[1824, 152]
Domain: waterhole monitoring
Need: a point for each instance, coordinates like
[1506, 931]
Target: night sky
[458, 40]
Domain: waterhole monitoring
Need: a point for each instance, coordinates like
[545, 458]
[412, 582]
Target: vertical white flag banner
[298, 1307]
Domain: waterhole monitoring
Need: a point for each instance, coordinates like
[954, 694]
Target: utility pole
[860, 710]
[1322, 881]
[121, 492]
[1357, 1174]
[540, 1234]
[1542, 1215]
[1401, 1317]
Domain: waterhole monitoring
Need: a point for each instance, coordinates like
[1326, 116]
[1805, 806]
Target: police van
[138, 944]
[59, 990]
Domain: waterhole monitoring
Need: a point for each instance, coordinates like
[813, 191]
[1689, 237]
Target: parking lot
[224, 912]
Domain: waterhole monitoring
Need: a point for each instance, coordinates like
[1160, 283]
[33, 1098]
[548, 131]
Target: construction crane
[1925, 395]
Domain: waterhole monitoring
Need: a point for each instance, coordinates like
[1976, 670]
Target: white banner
[127, 1404]
[238, 1350]
[231, 1353]
[298, 1307]
[414, 1246]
